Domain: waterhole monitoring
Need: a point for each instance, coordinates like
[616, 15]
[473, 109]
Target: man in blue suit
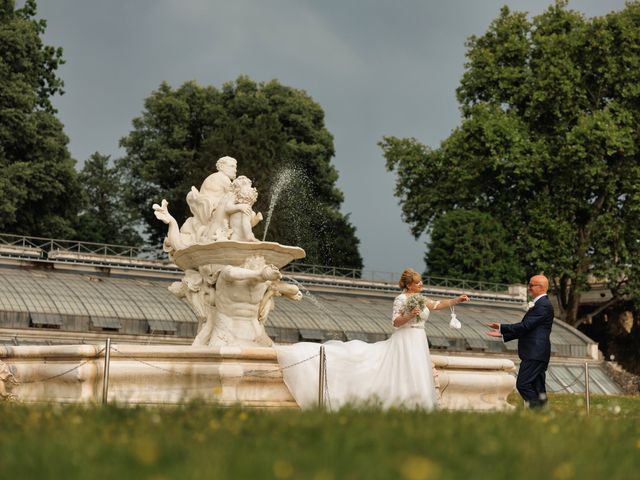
[534, 345]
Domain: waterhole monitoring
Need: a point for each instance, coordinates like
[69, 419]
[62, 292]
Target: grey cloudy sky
[377, 67]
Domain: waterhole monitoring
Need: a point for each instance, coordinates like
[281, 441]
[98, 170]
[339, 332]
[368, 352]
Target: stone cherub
[204, 202]
[237, 206]
[222, 210]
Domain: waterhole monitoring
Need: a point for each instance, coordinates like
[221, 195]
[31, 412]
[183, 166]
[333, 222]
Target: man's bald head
[538, 284]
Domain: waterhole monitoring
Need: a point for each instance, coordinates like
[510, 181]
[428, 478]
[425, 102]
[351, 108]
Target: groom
[534, 345]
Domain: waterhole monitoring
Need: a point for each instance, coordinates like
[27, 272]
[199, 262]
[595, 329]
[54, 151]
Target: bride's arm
[439, 305]
[404, 318]
[399, 317]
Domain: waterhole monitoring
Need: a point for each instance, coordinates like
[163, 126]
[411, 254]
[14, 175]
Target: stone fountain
[230, 276]
[230, 280]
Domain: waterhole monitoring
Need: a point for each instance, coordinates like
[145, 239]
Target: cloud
[286, 33]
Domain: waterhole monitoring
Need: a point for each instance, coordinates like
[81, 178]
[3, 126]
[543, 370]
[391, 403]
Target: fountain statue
[230, 276]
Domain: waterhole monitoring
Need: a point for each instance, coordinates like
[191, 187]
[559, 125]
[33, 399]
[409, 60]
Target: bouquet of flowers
[415, 301]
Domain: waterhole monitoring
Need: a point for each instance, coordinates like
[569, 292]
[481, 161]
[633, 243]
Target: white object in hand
[454, 323]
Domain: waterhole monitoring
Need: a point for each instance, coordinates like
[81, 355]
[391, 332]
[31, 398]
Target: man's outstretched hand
[495, 329]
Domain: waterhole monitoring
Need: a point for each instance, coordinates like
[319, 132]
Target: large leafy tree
[472, 245]
[548, 146]
[105, 218]
[270, 129]
[38, 181]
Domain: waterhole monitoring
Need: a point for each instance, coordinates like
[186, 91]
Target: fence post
[105, 380]
[586, 385]
[321, 378]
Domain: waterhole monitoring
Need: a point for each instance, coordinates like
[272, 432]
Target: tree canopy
[472, 245]
[268, 128]
[38, 181]
[548, 147]
[104, 216]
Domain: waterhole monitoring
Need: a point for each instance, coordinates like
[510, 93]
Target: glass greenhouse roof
[106, 300]
[48, 296]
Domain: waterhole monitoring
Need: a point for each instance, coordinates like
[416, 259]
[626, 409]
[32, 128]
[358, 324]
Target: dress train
[396, 372]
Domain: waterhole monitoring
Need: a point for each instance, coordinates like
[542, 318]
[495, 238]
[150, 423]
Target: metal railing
[53, 244]
[52, 250]
[392, 277]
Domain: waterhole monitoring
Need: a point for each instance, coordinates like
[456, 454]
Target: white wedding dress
[396, 372]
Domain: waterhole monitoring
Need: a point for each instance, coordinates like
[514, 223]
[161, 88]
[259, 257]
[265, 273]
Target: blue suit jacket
[532, 332]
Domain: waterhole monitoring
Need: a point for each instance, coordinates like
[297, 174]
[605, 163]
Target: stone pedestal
[474, 383]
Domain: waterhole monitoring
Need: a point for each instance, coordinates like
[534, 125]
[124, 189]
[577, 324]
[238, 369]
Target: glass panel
[162, 325]
[438, 341]
[313, 335]
[105, 322]
[476, 343]
[552, 383]
[46, 319]
[357, 336]
[604, 382]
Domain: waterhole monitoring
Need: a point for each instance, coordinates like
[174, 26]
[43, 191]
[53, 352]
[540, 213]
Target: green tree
[548, 146]
[38, 181]
[268, 128]
[472, 245]
[105, 218]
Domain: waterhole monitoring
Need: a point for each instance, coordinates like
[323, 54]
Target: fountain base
[250, 377]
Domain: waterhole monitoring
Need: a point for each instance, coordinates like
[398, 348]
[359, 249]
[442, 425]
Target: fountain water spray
[283, 179]
[310, 296]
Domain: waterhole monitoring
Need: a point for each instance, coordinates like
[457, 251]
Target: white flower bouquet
[416, 301]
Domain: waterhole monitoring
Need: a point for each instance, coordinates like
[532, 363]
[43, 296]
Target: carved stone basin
[229, 252]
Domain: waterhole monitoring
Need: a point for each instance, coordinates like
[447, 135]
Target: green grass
[204, 441]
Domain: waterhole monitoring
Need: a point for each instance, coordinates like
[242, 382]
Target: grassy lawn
[204, 441]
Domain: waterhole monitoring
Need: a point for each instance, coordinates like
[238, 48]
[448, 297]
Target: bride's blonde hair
[408, 277]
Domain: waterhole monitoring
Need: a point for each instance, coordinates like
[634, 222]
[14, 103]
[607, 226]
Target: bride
[396, 372]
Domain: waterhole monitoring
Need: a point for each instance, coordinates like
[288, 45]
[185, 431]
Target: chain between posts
[97, 355]
[567, 387]
[81, 364]
[258, 373]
